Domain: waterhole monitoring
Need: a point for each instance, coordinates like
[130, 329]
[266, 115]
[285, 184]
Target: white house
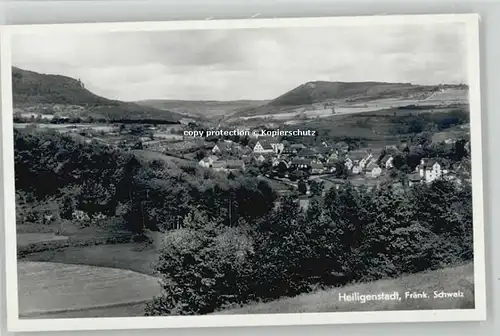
[429, 170]
[333, 157]
[207, 162]
[376, 171]
[261, 158]
[222, 147]
[389, 163]
[264, 146]
[228, 165]
[349, 164]
[356, 169]
[278, 147]
[317, 168]
[365, 161]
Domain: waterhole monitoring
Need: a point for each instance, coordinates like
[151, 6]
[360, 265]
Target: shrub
[203, 266]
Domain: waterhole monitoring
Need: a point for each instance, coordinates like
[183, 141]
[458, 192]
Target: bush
[203, 266]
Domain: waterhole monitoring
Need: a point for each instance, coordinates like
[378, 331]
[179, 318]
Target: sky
[245, 63]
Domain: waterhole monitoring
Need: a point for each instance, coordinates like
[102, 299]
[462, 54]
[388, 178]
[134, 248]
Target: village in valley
[329, 164]
[291, 165]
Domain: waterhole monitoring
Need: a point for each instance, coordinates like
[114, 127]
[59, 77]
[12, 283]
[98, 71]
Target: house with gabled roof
[317, 168]
[268, 146]
[387, 162]
[430, 169]
[330, 167]
[263, 146]
[366, 160]
[295, 148]
[228, 165]
[208, 161]
[333, 157]
[414, 178]
[222, 148]
[303, 164]
[260, 158]
[356, 169]
[375, 171]
[349, 163]
[306, 153]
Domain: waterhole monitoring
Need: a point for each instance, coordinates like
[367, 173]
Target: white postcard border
[8, 190]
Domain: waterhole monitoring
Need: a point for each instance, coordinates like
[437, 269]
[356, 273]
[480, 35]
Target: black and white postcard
[242, 172]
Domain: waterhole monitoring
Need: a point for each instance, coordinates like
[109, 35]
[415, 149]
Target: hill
[448, 280]
[203, 108]
[65, 96]
[318, 94]
[319, 91]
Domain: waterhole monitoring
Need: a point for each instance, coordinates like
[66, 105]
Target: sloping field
[53, 289]
[146, 155]
[25, 239]
[447, 280]
[131, 256]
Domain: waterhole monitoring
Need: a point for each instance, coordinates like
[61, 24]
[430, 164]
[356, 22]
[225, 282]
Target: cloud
[247, 63]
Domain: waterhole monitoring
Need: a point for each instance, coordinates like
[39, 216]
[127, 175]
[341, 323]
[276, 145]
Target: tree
[341, 170]
[218, 271]
[138, 130]
[200, 154]
[68, 206]
[423, 139]
[280, 251]
[386, 210]
[302, 187]
[282, 168]
[297, 175]
[138, 145]
[345, 209]
[252, 171]
[266, 168]
[317, 188]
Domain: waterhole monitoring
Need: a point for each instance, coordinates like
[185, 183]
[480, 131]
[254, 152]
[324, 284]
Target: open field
[452, 133]
[448, 280]
[53, 288]
[132, 256]
[70, 127]
[26, 239]
[145, 155]
[115, 310]
[205, 109]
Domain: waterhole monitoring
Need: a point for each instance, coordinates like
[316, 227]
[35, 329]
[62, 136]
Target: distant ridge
[323, 92]
[319, 91]
[203, 108]
[32, 88]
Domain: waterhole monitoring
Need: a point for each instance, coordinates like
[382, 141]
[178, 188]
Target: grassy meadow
[450, 279]
[55, 288]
